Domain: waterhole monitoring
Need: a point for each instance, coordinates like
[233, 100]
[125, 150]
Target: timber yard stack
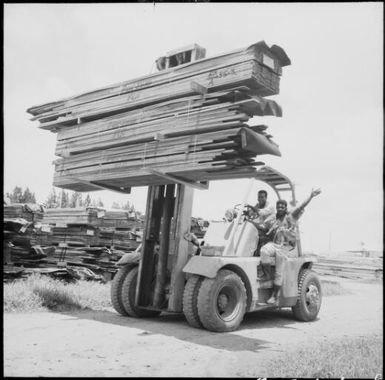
[186, 122]
[92, 227]
[90, 237]
[28, 211]
[20, 240]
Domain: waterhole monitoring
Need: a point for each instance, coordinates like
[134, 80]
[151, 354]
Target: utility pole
[330, 241]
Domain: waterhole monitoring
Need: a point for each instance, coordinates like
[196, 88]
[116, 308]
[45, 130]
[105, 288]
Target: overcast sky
[331, 132]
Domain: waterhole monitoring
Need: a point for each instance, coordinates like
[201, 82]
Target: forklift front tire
[116, 289]
[222, 302]
[309, 296]
[190, 301]
[128, 297]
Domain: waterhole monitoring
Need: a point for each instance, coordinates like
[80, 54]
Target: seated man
[282, 228]
[259, 213]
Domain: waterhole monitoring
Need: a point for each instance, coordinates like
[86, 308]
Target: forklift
[215, 284]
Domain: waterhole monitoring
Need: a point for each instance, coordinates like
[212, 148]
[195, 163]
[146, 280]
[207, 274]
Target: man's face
[281, 209]
[262, 199]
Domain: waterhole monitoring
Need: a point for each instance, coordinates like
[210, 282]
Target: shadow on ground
[175, 325]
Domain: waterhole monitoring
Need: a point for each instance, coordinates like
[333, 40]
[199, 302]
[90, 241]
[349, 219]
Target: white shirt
[264, 213]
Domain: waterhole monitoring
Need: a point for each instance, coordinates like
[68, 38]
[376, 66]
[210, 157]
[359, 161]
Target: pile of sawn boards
[187, 122]
[93, 238]
[93, 227]
[20, 244]
[29, 211]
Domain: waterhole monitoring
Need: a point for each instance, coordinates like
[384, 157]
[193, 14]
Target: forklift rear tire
[190, 301]
[116, 289]
[128, 296]
[222, 302]
[309, 296]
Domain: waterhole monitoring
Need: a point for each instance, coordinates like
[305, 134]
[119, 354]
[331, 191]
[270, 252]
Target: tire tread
[116, 289]
[128, 286]
[206, 316]
[298, 309]
[190, 301]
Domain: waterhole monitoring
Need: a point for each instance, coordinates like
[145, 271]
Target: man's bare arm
[301, 207]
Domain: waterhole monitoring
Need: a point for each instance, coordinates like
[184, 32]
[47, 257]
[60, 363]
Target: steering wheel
[237, 206]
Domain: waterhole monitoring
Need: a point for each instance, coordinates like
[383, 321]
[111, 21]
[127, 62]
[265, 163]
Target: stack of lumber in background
[80, 238]
[90, 237]
[188, 121]
[354, 267]
[28, 211]
[20, 243]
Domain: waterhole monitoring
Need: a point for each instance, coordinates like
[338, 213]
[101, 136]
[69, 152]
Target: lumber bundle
[92, 216]
[187, 122]
[28, 211]
[92, 238]
[92, 227]
[20, 243]
[257, 66]
[87, 238]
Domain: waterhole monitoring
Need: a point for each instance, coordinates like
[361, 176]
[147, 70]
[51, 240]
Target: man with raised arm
[281, 228]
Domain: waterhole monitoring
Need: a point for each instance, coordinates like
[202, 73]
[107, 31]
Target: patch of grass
[19, 297]
[92, 295]
[353, 357]
[37, 293]
[333, 288]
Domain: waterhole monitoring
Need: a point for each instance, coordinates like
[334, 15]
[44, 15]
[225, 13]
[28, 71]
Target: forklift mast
[164, 251]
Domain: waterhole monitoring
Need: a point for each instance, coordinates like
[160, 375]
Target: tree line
[63, 199]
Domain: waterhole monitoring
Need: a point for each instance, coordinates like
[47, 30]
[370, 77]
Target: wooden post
[180, 248]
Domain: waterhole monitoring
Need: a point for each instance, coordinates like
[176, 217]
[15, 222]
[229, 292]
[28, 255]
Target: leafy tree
[87, 201]
[64, 199]
[16, 195]
[52, 200]
[100, 203]
[28, 196]
[126, 206]
[76, 200]
[115, 205]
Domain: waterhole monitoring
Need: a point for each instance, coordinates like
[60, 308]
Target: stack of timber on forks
[187, 121]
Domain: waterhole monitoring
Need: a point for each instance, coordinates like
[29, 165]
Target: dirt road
[106, 344]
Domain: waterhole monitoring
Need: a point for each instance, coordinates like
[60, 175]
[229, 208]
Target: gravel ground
[103, 343]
